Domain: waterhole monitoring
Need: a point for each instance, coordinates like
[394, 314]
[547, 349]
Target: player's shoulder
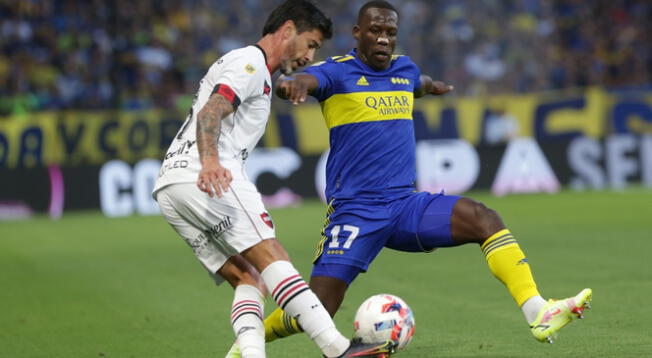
[251, 53]
[402, 60]
[404, 64]
[250, 58]
[344, 59]
[333, 61]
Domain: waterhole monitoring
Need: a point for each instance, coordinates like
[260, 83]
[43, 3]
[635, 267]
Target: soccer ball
[382, 317]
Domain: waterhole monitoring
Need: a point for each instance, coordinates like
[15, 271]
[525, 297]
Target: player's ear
[356, 32]
[288, 29]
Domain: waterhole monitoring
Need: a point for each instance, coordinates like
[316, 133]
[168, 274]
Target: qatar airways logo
[390, 105]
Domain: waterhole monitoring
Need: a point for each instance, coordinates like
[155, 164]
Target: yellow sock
[279, 325]
[508, 263]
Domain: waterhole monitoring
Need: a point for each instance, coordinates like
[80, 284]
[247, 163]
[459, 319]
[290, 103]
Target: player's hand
[214, 179]
[439, 88]
[293, 90]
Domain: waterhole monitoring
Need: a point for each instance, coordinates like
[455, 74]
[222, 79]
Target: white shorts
[216, 228]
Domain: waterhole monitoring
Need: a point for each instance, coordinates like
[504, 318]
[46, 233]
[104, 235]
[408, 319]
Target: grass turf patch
[89, 286]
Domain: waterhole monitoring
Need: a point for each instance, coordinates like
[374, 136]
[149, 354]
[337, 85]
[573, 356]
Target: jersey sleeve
[417, 77]
[416, 74]
[235, 78]
[325, 74]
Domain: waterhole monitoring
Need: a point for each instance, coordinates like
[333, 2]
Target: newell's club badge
[267, 89]
[267, 219]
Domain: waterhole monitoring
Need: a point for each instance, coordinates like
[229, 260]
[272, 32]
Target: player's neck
[271, 45]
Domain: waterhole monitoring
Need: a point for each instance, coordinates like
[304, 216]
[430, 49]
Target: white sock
[247, 321]
[292, 294]
[531, 308]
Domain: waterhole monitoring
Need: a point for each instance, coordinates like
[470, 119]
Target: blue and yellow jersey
[369, 117]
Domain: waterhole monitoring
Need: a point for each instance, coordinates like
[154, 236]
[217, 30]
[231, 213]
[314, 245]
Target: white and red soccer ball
[382, 317]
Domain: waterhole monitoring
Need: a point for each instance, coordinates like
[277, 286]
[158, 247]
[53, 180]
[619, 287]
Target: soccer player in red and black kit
[205, 195]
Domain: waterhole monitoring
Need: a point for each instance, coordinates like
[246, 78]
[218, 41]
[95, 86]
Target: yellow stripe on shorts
[322, 242]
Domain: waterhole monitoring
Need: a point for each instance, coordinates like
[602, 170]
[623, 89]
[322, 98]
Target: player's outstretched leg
[292, 294]
[295, 299]
[473, 221]
[555, 314]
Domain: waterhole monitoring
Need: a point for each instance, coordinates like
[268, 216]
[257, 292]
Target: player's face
[376, 36]
[301, 50]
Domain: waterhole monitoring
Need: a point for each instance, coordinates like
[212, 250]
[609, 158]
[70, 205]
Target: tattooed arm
[213, 176]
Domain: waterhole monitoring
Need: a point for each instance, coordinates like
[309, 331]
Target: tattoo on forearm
[209, 122]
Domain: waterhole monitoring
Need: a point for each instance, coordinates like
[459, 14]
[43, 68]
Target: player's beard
[286, 67]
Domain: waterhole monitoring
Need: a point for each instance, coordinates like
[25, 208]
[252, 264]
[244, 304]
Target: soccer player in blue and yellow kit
[367, 99]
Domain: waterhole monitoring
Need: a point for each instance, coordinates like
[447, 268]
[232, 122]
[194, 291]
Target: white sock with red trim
[247, 321]
[293, 295]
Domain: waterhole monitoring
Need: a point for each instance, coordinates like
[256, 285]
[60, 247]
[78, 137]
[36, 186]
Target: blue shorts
[356, 230]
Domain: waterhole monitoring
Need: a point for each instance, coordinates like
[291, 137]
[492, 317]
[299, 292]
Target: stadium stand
[124, 54]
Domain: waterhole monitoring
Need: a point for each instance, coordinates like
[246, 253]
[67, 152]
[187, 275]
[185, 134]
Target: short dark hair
[305, 15]
[378, 4]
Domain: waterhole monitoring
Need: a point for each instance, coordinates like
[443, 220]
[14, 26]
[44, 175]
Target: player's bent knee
[264, 253]
[489, 222]
[473, 221]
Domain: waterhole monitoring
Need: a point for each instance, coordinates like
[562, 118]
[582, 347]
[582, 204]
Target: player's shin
[293, 295]
[508, 263]
[279, 324]
[247, 321]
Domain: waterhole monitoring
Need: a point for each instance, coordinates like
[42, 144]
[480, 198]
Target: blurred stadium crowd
[126, 54]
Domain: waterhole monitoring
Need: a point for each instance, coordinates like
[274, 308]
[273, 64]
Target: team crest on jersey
[267, 220]
[250, 69]
[266, 88]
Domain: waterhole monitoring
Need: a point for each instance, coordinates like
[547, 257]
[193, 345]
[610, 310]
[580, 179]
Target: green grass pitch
[89, 286]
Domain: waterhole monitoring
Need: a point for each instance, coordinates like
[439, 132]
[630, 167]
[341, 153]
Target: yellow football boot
[234, 352]
[555, 314]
